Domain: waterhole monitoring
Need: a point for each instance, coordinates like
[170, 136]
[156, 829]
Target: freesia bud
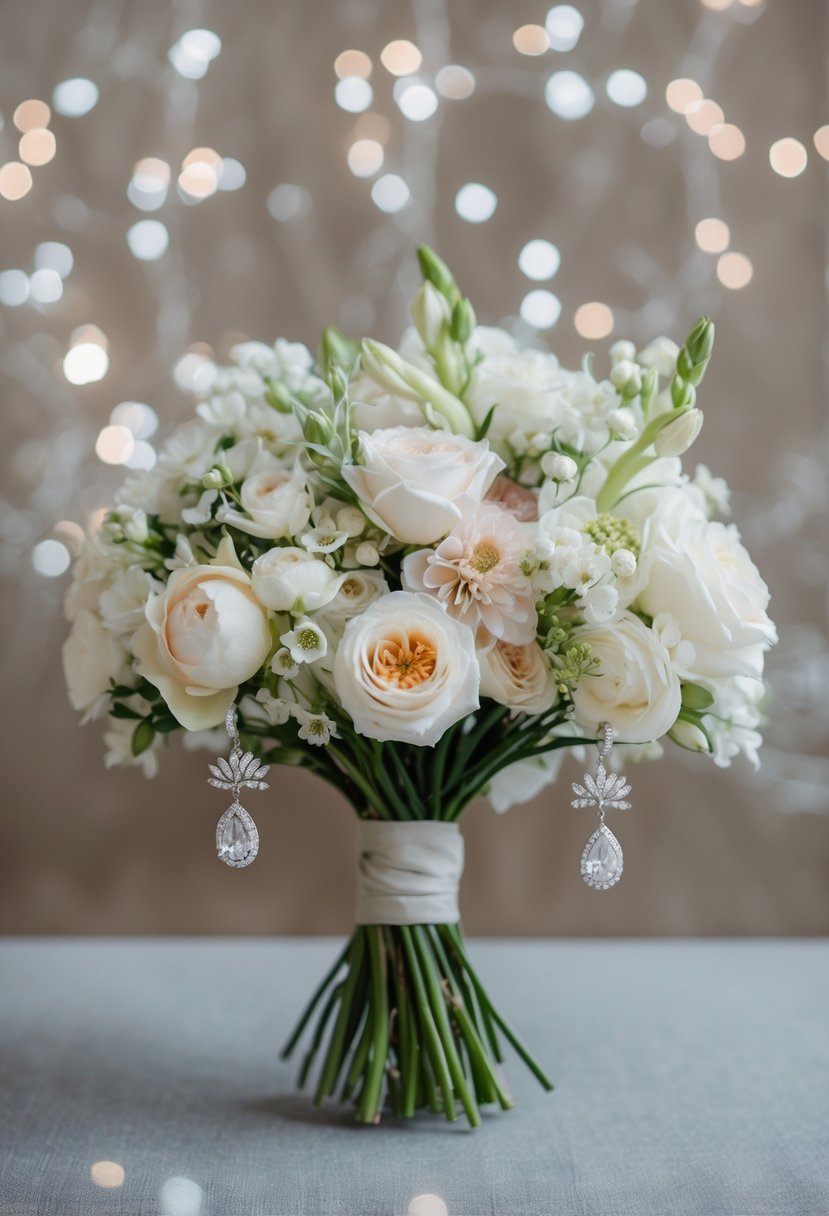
[366, 554]
[463, 321]
[690, 736]
[627, 377]
[386, 368]
[435, 270]
[337, 350]
[679, 434]
[558, 467]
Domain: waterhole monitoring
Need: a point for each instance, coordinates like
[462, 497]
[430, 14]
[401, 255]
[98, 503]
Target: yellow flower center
[405, 664]
[484, 557]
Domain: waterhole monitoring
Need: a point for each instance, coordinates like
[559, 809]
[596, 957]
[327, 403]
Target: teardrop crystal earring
[601, 860]
[237, 838]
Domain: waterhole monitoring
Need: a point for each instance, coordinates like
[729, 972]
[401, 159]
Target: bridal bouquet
[423, 574]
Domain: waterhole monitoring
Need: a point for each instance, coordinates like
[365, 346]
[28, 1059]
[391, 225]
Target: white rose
[375, 409]
[203, 638]
[91, 658]
[277, 504]
[634, 688]
[406, 671]
[294, 580]
[702, 575]
[416, 483]
[523, 385]
[524, 780]
[518, 676]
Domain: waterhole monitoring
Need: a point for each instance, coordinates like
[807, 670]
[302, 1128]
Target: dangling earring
[237, 838]
[601, 860]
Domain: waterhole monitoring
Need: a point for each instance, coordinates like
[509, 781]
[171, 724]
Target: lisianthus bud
[430, 313]
[678, 435]
[621, 423]
[690, 736]
[622, 350]
[558, 467]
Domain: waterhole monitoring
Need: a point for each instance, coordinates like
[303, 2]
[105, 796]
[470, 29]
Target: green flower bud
[435, 270]
[690, 736]
[694, 696]
[463, 321]
[337, 350]
[430, 313]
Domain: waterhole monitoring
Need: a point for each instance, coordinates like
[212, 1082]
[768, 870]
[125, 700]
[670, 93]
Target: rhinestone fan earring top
[601, 860]
[237, 838]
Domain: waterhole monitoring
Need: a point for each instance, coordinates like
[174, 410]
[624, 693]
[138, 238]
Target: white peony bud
[367, 554]
[558, 467]
[623, 349]
[678, 435]
[622, 424]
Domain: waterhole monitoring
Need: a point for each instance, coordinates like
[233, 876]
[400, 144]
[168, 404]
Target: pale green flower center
[611, 533]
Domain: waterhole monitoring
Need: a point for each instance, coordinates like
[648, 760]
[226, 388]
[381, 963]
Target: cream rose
[405, 671]
[634, 688]
[276, 504]
[700, 573]
[91, 658]
[203, 637]
[416, 483]
[518, 676]
[294, 580]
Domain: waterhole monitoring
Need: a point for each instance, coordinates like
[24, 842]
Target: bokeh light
[540, 308]
[51, 558]
[727, 141]
[703, 116]
[455, 82]
[569, 95]
[682, 93]
[15, 180]
[427, 1205]
[626, 88]
[75, 97]
[14, 287]
[352, 63]
[353, 93]
[390, 193]
[46, 286]
[734, 270]
[539, 260]
[31, 114]
[149, 183]
[198, 180]
[288, 202]
[231, 173]
[54, 255]
[37, 146]
[594, 320]
[107, 1174]
[712, 235]
[148, 240]
[564, 25]
[417, 102]
[401, 57]
[86, 360]
[114, 444]
[821, 142]
[531, 40]
[365, 157]
[475, 202]
[788, 157]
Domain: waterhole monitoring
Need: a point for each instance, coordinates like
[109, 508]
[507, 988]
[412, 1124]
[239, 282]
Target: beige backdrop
[89, 851]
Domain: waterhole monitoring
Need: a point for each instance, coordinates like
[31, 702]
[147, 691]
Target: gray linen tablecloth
[692, 1078]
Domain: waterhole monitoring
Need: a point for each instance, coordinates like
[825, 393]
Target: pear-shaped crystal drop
[237, 840]
[601, 861]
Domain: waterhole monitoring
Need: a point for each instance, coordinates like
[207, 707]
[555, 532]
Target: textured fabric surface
[408, 873]
[692, 1079]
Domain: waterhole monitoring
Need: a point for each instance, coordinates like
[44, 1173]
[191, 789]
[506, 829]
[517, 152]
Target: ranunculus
[276, 502]
[203, 637]
[634, 688]
[518, 676]
[405, 670]
[416, 483]
[91, 658]
[294, 580]
[700, 573]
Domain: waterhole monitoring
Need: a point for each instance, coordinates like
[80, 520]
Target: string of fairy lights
[394, 99]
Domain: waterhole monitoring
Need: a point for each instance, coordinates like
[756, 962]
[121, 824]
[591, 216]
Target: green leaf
[165, 725]
[694, 696]
[142, 738]
[483, 429]
[123, 711]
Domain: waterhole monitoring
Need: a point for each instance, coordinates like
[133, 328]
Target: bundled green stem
[413, 1028]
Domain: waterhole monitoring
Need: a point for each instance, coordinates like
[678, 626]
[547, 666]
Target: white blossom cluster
[380, 541]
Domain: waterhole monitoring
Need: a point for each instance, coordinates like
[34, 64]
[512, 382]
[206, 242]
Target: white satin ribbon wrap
[408, 873]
